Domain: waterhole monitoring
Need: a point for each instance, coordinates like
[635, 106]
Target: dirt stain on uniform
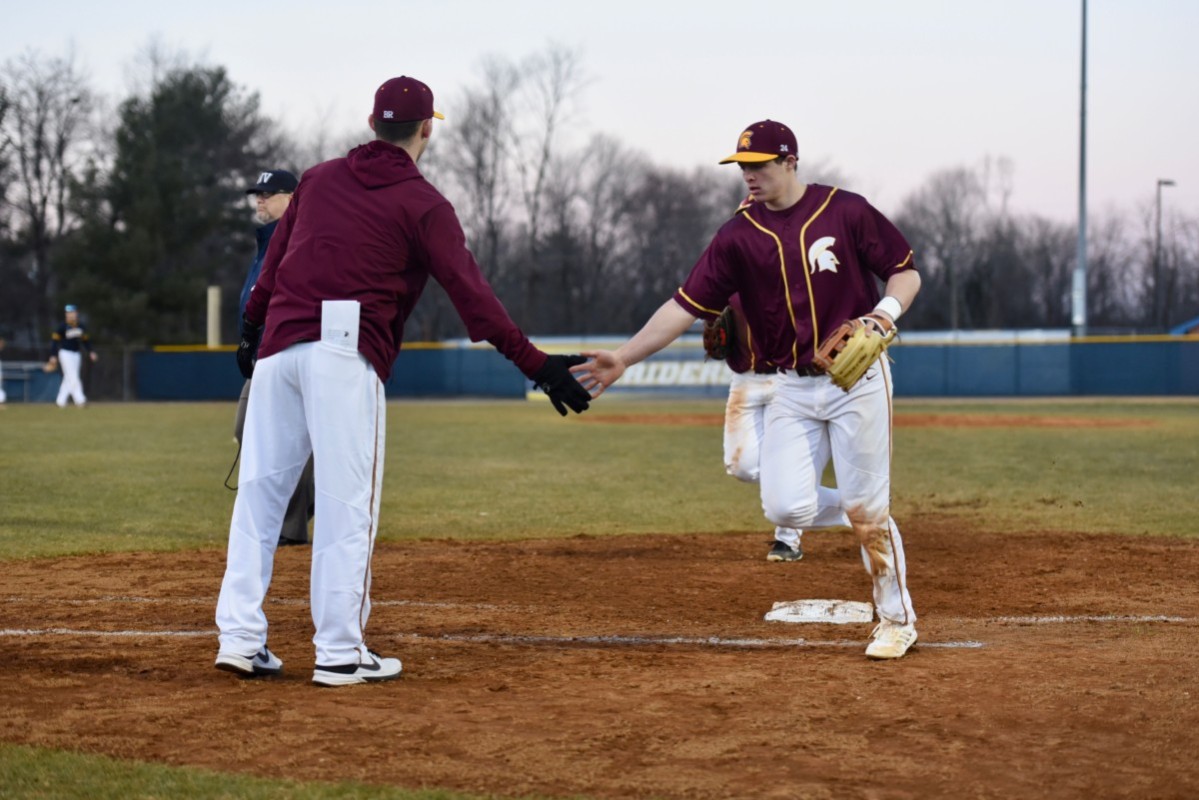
[734, 465]
[736, 401]
[875, 539]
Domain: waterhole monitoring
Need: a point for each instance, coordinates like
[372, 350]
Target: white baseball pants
[72, 384]
[808, 418]
[313, 398]
[744, 424]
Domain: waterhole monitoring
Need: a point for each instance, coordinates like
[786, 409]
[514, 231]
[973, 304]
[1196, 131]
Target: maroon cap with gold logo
[404, 99]
[764, 141]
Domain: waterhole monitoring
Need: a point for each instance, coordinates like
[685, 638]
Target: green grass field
[31, 773]
[140, 477]
[149, 476]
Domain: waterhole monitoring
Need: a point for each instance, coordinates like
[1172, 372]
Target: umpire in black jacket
[272, 193]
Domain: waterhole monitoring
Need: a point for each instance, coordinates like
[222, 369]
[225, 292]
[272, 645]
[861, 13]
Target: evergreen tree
[170, 218]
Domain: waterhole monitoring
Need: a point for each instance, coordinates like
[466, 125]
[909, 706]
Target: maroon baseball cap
[404, 99]
[764, 141]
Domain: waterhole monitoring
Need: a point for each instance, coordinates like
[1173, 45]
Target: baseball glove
[854, 347]
[718, 335]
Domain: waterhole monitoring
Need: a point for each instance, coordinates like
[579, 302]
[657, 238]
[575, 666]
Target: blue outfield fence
[975, 364]
[26, 382]
[1078, 367]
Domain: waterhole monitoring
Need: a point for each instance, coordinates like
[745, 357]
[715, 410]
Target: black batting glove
[555, 379]
[247, 349]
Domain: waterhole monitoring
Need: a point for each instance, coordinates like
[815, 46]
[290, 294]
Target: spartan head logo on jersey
[820, 255]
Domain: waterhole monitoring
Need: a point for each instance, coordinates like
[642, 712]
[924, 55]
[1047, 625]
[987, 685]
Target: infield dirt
[640, 666]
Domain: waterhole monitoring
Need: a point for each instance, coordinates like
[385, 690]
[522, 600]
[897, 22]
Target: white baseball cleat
[371, 668]
[264, 662]
[891, 640]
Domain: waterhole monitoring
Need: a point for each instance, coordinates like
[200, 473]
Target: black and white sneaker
[262, 663]
[371, 668]
[781, 551]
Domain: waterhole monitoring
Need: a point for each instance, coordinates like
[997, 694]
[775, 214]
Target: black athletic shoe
[292, 542]
[371, 669]
[781, 551]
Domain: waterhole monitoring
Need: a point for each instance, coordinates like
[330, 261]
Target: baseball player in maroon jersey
[804, 258]
[343, 271]
[750, 391]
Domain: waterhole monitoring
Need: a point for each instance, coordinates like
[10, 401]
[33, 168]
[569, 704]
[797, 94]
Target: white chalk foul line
[1070, 620]
[642, 641]
[106, 634]
[503, 638]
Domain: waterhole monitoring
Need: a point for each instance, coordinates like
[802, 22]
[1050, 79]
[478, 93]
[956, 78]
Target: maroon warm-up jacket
[369, 227]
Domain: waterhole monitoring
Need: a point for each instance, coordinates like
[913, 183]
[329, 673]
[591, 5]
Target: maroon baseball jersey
[369, 227]
[800, 272]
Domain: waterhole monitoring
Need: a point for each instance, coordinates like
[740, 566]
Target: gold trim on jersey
[907, 262]
[803, 254]
[697, 305]
[807, 278]
[786, 284]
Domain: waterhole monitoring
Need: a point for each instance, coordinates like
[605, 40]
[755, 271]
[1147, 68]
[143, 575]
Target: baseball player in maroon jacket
[805, 258]
[344, 270]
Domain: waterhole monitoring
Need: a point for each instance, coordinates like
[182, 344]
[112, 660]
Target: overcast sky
[887, 91]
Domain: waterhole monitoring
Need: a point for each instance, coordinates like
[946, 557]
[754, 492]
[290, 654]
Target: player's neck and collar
[789, 198]
[774, 184]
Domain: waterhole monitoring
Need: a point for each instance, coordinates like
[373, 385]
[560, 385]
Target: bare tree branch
[48, 103]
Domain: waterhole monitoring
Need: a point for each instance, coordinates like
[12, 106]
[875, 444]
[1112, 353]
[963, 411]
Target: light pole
[1159, 298]
[1078, 292]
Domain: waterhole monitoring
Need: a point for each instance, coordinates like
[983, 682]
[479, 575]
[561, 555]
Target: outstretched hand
[604, 369]
[554, 379]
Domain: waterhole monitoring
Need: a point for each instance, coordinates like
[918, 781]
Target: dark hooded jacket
[369, 227]
[263, 234]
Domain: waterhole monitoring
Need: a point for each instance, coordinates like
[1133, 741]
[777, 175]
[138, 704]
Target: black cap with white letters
[274, 181]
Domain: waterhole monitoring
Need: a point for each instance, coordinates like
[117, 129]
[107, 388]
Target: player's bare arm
[903, 286]
[667, 324]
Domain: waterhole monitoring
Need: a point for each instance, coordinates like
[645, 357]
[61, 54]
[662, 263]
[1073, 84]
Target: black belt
[768, 369]
[806, 371]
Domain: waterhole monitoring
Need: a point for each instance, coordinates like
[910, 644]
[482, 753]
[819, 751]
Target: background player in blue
[805, 258]
[69, 342]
